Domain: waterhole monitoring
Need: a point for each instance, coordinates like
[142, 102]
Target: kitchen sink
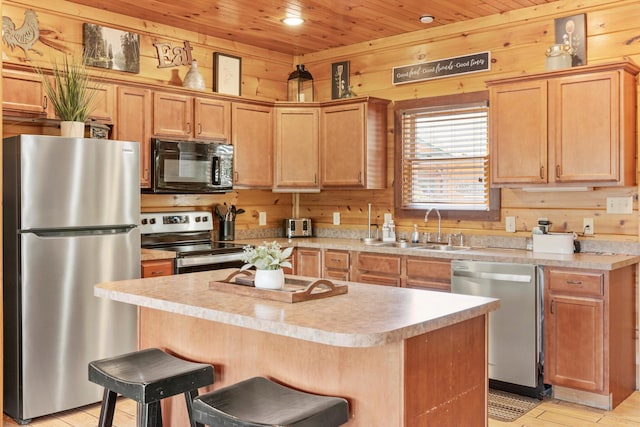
[406, 245]
[443, 248]
[423, 246]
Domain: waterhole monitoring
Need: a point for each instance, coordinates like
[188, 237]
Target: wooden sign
[173, 56]
[440, 68]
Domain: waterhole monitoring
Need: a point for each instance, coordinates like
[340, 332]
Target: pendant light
[300, 85]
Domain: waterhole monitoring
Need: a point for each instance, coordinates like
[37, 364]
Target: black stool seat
[260, 402]
[147, 376]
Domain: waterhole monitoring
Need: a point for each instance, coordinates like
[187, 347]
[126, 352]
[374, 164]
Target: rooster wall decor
[28, 34]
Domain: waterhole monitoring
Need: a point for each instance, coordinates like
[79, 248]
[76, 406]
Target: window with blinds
[445, 161]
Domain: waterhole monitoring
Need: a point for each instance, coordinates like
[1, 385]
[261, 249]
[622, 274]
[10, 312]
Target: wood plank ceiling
[328, 23]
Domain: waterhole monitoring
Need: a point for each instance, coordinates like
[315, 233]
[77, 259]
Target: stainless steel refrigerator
[71, 208]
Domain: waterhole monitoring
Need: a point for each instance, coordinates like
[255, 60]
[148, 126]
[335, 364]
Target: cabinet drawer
[388, 264]
[336, 260]
[576, 282]
[155, 268]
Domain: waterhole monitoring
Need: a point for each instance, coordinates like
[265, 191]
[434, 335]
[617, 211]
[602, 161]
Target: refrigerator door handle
[74, 232]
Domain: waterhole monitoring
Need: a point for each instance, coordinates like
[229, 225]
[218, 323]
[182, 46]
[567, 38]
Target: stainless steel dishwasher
[515, 329]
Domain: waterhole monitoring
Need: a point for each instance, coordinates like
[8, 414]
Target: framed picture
[110, 48]
[340, 81]
[227, 74]
[571, 31]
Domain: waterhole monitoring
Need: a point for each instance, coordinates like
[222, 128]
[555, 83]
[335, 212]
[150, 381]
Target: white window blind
[445, 161]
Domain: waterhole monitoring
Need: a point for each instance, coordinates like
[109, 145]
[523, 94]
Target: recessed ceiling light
[426, 19]
[293, 20]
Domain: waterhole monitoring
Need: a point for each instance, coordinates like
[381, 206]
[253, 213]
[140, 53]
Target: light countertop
[155, 254]
[597, 261]
[367, 316]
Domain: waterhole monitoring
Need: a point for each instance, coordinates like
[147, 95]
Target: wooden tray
[295, 290]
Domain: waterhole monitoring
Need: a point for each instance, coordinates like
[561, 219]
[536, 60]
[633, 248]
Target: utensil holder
[227, 230]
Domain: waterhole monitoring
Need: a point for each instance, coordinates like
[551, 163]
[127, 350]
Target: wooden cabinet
[377, 269]
[297, 145]
[156, 268]
[429, 273]
[133, 123]
[23, 94]
[183, 116]
[353, 143]
[104, 103]
[252, 139]
[576, 126]
[308, 262]
[336, 264]
[589, 334]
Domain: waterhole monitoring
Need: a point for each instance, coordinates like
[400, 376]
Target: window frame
[493, 214]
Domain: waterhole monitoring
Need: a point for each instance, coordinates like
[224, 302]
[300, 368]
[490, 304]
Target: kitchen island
[401, 357]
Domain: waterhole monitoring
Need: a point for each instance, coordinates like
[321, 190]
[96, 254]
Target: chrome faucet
[426, 218]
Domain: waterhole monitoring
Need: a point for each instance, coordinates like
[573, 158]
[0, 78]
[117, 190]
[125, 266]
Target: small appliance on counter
[297, 227]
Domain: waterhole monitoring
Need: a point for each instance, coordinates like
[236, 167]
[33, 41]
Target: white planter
[72, 129]
[269, 279]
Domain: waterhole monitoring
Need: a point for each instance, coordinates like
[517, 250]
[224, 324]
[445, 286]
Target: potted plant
[268, 260]
[71, 93]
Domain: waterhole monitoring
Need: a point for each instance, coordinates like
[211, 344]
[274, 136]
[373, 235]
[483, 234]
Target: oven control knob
[152, 221]
[197, 219]
[205, 219]
[144, 221]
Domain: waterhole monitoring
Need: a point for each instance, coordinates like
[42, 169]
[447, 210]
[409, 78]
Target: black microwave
[191, 166]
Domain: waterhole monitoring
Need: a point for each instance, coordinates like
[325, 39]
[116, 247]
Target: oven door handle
[191, 261]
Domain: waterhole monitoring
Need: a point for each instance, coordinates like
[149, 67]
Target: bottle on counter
[415, 236]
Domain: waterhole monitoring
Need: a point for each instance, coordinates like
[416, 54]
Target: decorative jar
[558, 57]
[193, 79]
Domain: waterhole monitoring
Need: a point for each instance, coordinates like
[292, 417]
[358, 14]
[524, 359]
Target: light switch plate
[262, 218]
[336, 218]
[619, 205]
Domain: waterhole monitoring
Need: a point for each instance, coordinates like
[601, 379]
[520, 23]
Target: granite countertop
[597, 261]
[366, 316]
[155, 254]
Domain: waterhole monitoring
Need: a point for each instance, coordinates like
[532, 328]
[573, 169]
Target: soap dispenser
[415, 236]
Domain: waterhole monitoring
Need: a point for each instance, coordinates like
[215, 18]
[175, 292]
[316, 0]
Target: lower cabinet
[308, 262]
[156, 268]
[433, 274]
[336, 264]
[589, 334]
[377, 269]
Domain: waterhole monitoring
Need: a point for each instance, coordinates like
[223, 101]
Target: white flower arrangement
[269, 256]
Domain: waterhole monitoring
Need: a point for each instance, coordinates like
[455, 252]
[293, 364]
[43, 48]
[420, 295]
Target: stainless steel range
[190, 235]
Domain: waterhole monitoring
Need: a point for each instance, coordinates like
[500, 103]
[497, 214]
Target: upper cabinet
[252, 139]
[353, 144]
[133, 123]
[23, 95]
[569, 127]
[183, 116]
[297, 144]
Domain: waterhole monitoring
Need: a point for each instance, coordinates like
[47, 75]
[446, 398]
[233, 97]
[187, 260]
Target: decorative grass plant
[71, 91]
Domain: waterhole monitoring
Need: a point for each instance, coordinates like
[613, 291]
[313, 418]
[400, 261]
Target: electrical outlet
[587, 226]
[336, 218]
[619, 205]
[510, 224]
[262, 218]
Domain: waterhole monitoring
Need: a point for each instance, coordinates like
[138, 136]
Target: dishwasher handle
[500, 277]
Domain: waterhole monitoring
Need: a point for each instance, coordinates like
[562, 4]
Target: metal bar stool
[260, 402]
[147, 376]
